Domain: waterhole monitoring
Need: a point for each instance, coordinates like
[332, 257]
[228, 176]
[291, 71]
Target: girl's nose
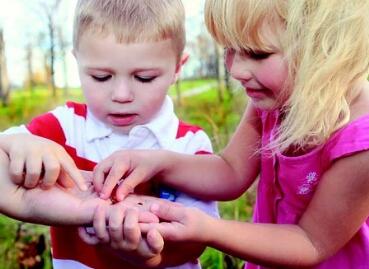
[240, 68]
[122, 93]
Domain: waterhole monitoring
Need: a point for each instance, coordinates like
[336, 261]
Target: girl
[305, 131]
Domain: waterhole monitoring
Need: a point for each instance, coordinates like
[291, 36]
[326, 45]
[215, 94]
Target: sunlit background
[26, 34]
[36, 38]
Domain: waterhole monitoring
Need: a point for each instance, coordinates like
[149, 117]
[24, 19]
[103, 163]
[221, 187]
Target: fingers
[121, 165]
[125, 233]
[155, 241]
[68, 165]
[39, 159]
[88, 238]
[16, 168]
[132, 232]
[99, 173]
[52, 170]
[99, 223]
[168, 211]
[116, 172]
[116, 228]
[129, 183]
[33, 167]
[147, 217]
[65, 180]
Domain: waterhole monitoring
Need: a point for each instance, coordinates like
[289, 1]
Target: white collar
[163, 126]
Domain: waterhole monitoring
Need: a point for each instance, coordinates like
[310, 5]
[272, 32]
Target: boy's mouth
[121, 119]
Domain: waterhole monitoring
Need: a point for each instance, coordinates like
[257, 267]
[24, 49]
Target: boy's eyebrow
[110, 70]
[99, 69]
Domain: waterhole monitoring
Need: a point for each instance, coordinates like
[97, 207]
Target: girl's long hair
[326, 47]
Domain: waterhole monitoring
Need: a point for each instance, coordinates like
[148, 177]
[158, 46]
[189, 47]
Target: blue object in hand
[168, 193]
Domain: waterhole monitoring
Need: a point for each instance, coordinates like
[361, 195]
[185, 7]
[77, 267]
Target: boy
[128, 54]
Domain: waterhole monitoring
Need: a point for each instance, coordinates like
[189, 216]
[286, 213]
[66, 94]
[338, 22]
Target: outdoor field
[26, 245]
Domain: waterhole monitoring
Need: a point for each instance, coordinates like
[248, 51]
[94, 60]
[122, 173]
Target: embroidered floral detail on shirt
[311, 177]
[307, 187]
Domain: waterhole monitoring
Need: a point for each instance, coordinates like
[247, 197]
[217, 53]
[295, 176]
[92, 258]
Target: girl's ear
[179, 65]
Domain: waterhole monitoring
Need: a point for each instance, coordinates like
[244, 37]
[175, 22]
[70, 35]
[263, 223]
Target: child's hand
[118, 225]
[127, 169]
[179, 223]
[38, 161]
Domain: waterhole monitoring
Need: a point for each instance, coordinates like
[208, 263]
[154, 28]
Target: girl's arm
[213, 177]
[338, 209]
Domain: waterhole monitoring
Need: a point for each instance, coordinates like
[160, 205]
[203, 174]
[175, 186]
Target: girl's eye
[258, 55]
[144, 79]
[101, 78]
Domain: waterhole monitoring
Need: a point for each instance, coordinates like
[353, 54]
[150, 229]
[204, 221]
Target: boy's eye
[144, 79]
[101, 78]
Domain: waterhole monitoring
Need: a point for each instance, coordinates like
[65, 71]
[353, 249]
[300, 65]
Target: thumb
[128, 184]
[147, 217]
[170, 212]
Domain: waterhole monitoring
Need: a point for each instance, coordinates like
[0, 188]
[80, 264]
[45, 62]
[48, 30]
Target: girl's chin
[266, 105]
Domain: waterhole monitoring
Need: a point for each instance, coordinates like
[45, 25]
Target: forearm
[267, 244]
[210, 177]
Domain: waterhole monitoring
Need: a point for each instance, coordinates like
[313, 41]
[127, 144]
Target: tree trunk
[52, 54]
[220, 72]
[4, 80]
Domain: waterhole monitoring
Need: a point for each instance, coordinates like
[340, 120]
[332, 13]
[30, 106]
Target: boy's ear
[179, 65]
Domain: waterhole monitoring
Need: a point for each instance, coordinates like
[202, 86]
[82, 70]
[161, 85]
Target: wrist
[164, 164]
[209, 230]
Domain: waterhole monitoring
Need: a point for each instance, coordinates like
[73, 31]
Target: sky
[21, 21]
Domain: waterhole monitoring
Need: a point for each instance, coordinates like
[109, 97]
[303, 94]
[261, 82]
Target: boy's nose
[122, 93]
[240, 69]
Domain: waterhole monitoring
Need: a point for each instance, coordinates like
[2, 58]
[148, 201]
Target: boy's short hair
[132, 21]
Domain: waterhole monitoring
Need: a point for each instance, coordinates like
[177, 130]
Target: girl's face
[262, 74]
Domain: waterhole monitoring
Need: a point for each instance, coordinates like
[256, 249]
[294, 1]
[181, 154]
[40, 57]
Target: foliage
[218, 119]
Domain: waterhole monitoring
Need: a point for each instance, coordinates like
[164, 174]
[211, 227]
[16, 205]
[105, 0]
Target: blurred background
[38, 72]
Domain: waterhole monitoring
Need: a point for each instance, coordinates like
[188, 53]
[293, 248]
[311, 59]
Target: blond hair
[132, 21]
[326, 47]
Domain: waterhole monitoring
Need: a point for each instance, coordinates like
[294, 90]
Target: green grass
[219, 120]
[187, 85]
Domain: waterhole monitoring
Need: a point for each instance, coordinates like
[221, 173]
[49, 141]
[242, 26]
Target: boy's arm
[55, 206]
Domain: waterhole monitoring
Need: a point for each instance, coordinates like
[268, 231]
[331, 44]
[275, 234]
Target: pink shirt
[287, 184]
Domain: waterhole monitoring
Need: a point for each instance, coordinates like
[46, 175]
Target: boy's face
[125, 84]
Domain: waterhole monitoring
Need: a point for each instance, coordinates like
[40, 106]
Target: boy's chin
[123, 130]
